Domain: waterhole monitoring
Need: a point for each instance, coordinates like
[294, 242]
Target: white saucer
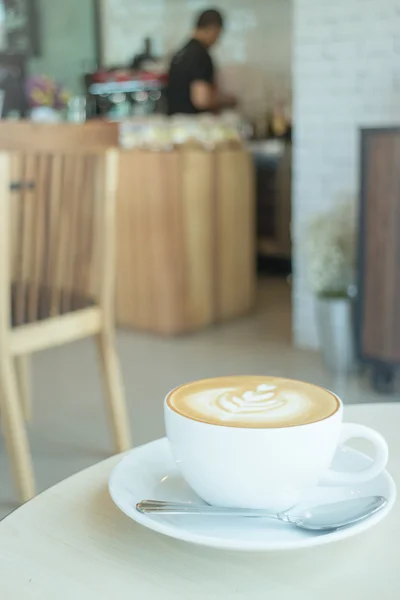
[149, 473]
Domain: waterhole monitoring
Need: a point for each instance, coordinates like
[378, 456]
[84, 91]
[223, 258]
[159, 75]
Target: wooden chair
[57, 269]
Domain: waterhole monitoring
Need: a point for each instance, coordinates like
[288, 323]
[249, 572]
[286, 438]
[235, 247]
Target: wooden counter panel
[149, 273]
[198, 238]
[185, 241]
[236, 234]
[26, 136]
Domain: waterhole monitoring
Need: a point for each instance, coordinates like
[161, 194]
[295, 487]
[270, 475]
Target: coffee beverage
[253, 402]
[261, 442]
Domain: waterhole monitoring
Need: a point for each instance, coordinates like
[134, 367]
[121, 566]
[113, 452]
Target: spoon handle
[181, 508]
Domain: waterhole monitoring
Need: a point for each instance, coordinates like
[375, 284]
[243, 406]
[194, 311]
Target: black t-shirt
[192, 63]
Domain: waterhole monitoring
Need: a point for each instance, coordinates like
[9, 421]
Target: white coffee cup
[267, 468]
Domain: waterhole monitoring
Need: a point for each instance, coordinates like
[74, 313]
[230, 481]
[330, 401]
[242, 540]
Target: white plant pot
[336, 334]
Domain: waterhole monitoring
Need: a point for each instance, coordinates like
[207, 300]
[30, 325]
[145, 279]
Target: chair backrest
[57, 227]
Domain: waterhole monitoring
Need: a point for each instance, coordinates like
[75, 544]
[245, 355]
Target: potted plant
[331, 261]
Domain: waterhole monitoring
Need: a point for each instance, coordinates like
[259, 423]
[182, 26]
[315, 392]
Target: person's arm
[203, 96]
[203, 93]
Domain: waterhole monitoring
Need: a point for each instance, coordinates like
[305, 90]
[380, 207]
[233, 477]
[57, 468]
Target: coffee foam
[255, 402]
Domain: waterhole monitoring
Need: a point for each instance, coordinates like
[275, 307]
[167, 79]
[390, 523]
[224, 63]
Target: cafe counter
[185, 226]
[185, 231]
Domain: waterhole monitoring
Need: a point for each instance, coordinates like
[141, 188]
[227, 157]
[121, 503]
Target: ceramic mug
[267, 468]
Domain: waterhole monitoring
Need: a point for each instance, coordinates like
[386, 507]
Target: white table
[72, 543]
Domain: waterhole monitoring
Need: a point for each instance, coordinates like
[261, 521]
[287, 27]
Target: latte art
[263, 399]
[258, 402]
[266, 404]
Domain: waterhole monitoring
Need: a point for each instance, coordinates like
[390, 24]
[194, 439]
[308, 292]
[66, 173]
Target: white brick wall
[346, 75]
[254, 54]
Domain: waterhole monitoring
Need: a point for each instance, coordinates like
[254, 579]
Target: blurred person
[192, 85]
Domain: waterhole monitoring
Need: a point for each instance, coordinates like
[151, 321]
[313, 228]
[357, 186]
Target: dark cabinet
[273, 193]
[378, 304]
[12, 78]
[20, 34]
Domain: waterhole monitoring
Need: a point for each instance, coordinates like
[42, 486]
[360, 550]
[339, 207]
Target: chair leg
[115, 391]
[22, 367]
[14, 430]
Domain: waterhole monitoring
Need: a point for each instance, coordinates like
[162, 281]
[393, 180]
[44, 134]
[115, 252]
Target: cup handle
[349, 431]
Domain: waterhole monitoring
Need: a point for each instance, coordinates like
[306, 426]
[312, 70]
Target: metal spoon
[325, 517]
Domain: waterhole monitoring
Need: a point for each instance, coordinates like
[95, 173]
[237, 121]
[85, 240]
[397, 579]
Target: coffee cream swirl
[258, 402]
